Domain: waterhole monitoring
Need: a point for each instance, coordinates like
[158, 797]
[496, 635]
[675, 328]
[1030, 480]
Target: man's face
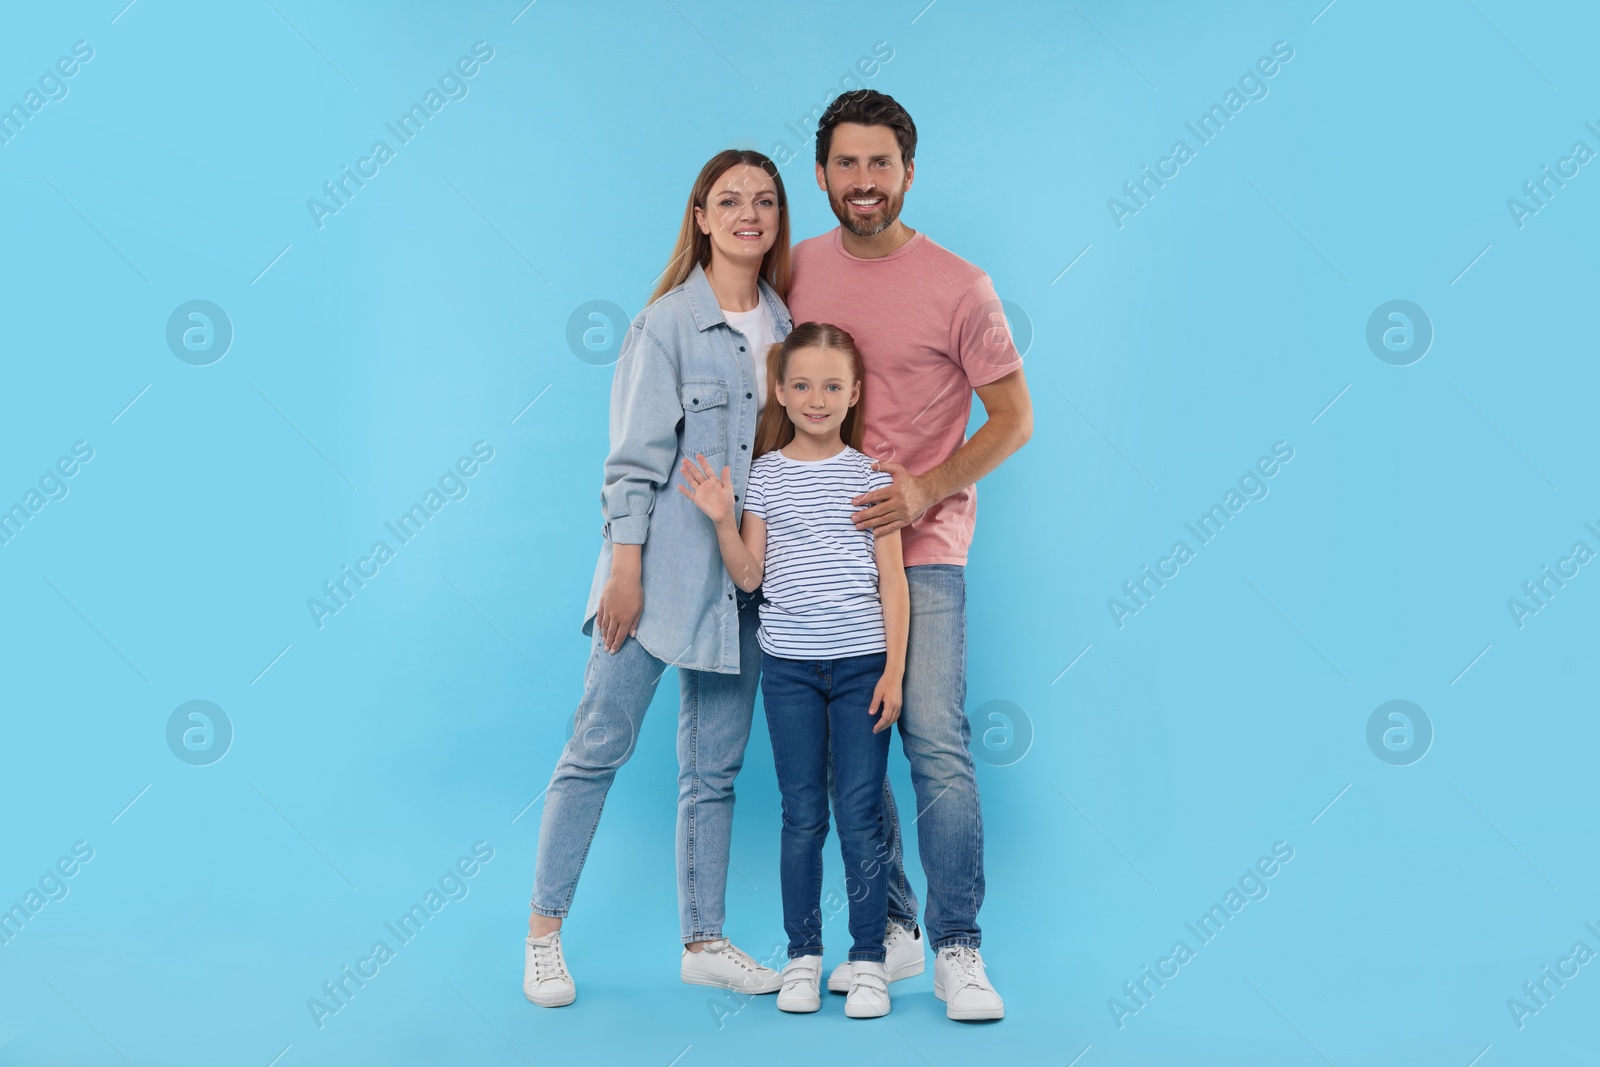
[864, 178]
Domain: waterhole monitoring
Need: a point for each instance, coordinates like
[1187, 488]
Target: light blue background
[1230, 713]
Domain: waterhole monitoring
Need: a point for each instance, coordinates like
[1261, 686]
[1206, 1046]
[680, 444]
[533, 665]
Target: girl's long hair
[775, 429]
[695, 247]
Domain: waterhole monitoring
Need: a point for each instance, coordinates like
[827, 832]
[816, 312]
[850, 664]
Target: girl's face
[817, 390]
[741, 214]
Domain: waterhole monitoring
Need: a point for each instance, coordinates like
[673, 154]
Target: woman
[690, 380]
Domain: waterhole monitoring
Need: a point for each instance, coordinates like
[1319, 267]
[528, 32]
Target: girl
[686, 383]
[832, 653]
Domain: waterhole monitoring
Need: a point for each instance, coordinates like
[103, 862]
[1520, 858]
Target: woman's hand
[712, 494]
[886, 695]
[621, 603]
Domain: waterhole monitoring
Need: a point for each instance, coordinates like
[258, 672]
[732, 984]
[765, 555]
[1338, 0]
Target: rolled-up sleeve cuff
[628, 529]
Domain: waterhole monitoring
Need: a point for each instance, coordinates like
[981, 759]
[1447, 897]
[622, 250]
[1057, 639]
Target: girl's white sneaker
[545, 980]
[902, 958]
[869, 991]
[802, 985]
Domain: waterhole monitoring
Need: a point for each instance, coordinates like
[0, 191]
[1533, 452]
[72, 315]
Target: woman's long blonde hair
[775, 429]
[695, 247]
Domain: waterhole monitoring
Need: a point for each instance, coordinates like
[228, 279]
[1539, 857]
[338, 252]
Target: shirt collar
[708, 313]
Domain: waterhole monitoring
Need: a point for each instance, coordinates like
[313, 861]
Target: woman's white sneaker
[802, 978]
[722, 965]
[903, 958]
[959, 980]
[869, 991]
[545, 980]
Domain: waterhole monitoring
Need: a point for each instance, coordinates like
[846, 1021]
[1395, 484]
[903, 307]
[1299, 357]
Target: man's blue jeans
[936, 738]
[713, 728]
[817, 714]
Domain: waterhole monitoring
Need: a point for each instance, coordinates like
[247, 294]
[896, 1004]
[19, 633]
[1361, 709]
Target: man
[931, 331]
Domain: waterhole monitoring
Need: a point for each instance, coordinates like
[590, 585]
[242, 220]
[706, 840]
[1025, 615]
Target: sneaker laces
[967, 967]
[547, 962]
[896, 932]
[731, 951]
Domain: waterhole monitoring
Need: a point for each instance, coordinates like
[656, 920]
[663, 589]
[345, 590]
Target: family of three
[792, 505]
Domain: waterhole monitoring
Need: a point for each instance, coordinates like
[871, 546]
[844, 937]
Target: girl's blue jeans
[814, 706]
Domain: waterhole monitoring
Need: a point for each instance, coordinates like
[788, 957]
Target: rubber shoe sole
[799, 1007]
[555, 1002]
[776, 985]
[976, 1016]
[866, 1013]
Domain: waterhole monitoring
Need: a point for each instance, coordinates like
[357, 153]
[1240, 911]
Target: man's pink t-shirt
[930, 329]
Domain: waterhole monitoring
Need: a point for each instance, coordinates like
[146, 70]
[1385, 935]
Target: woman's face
[740, 214]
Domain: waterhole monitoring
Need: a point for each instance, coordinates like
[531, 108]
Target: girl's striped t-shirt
[820, 581]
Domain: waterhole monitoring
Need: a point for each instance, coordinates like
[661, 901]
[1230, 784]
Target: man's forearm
[1000, 435]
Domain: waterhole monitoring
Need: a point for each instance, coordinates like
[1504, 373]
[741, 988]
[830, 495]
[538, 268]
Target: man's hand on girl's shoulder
[892, 506]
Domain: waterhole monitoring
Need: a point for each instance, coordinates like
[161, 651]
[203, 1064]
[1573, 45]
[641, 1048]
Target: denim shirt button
[747, 396]
[743, 447]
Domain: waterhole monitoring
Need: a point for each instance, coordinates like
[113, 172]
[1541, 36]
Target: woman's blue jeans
[713, 728]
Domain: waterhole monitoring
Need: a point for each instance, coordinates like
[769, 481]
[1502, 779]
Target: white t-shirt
[760, 332]
[821, 573]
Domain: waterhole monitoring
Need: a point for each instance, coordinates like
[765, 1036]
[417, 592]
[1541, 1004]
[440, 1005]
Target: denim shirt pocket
[705, 416]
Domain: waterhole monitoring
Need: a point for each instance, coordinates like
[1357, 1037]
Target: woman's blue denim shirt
[684, 383]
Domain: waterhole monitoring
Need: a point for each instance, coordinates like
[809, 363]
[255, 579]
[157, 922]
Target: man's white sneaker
[545, 980]
[869, 991]
[903, 958]
[959, 980]
[801, 977]
[722, 965]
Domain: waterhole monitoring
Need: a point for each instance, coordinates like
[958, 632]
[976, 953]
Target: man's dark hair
[867, 107]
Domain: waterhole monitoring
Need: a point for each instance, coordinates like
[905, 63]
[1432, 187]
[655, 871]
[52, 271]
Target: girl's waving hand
[712, 494]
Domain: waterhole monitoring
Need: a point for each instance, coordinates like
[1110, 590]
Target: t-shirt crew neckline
[846, 450]
[904, 250]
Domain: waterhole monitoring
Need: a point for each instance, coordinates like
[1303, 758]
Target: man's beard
[887, 214]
